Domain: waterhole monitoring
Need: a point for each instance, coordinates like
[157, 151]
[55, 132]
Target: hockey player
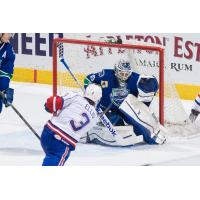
[7, 58]
[117, 85]
[75, 115]
[195, 109]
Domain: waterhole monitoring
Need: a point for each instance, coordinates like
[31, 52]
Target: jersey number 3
[76, 126]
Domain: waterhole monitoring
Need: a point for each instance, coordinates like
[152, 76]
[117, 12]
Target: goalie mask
[123, 70]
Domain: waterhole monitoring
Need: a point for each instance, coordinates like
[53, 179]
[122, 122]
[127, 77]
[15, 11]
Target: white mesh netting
[87, 59]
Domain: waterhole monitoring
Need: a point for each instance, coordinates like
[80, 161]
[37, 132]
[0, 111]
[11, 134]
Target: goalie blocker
[140, 117]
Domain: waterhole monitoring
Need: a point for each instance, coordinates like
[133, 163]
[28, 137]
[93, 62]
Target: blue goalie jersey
[112, 87]
[114, 93]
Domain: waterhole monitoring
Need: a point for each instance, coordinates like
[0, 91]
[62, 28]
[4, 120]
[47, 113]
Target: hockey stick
[73, 76]
[62, 60]
[20, 115]
[100, 113]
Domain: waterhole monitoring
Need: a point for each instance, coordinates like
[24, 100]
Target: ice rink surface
[19, 146]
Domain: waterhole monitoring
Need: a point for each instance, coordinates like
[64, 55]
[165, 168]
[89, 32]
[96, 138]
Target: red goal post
[157, 49]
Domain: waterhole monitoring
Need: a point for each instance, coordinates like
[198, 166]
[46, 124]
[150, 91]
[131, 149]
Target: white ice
[19, 147]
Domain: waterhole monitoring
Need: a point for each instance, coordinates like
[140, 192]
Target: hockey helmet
[123, 70]
[93, 92]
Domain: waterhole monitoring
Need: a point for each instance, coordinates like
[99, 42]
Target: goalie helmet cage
[161, 74]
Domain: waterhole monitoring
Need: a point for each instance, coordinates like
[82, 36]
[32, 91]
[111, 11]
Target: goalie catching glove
[147, 88]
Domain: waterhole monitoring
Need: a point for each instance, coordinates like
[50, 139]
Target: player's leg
[56, 151]
[3, 85]
[139, 129]
[138, 114]
[9, 92]
[195, 109]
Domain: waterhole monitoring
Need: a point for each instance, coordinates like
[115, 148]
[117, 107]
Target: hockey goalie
[126, 97]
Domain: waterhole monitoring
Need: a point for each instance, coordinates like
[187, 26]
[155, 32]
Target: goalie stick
[100, 113]
[20, 115]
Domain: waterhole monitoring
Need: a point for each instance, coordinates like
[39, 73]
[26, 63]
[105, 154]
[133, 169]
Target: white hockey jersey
[75, 119]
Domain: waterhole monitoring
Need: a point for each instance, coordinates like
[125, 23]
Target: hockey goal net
[85, 57]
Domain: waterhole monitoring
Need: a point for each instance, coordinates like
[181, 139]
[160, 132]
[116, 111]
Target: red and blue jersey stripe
[65, 136]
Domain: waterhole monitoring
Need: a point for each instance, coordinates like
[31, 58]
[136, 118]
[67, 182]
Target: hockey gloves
[147, 88]
[53, 104]
[7, 96]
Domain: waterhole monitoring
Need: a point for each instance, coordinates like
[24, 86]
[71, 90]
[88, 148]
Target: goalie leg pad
[139, 115]
[140, 129]
[99, 135]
